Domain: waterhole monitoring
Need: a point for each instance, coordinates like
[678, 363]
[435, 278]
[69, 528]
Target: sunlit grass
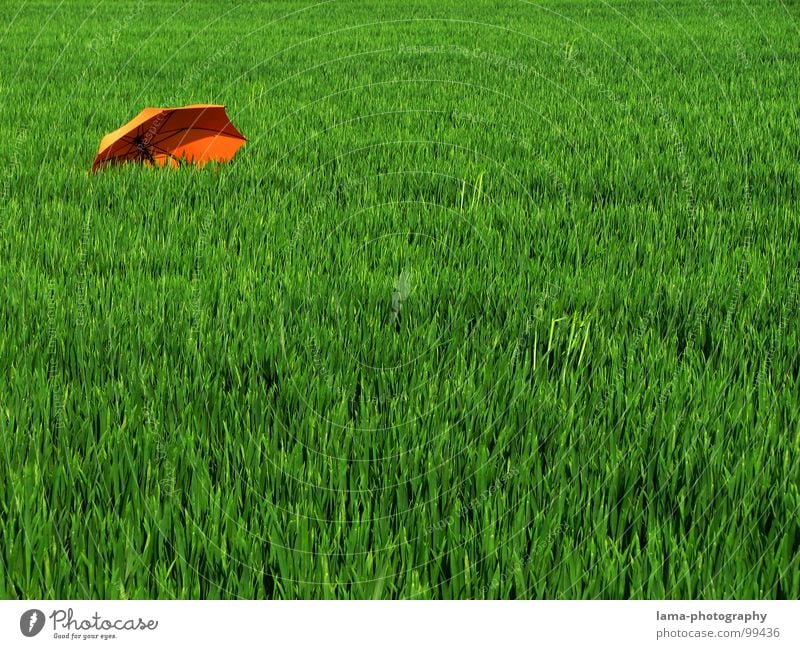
[494, 303]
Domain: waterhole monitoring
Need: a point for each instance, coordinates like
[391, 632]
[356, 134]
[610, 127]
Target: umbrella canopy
[196, 134]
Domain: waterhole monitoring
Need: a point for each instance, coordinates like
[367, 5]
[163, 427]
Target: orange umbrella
[197, 134]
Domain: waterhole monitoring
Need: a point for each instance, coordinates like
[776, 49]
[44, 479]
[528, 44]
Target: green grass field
[500, 300]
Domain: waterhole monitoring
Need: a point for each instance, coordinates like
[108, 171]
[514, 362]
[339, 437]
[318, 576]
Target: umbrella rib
[122, 153]
[146, 145]
[195, 128]
[130, 151]
[167, 153]
[161, 127]
[171, 133]
[131, 139]
[164, 151]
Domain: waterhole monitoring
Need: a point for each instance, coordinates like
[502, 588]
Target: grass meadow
[499, 300]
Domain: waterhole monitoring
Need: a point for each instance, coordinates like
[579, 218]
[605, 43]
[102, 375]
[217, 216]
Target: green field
[500, 300]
